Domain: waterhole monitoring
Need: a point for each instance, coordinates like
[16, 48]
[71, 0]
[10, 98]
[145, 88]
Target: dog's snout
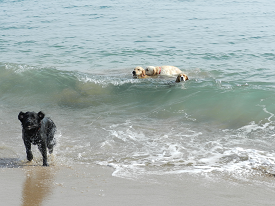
[29, 121]
[134, 72]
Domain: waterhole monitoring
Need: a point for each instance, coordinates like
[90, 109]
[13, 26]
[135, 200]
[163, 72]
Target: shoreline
[93, 184]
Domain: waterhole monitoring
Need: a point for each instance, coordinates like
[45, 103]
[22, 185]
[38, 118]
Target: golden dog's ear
[155, 71]
[143, 74]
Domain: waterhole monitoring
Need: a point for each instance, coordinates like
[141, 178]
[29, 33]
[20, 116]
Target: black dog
[37, 129]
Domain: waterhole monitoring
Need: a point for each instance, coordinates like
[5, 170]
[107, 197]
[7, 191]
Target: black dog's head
[31, 120]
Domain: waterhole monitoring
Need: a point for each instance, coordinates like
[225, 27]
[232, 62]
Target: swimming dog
[139, 72]
[181, 77]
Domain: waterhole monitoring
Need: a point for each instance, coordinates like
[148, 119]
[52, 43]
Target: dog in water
[38, 130]
[181, 77]
[139, 72]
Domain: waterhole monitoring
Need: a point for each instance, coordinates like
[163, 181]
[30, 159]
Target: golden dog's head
[181, 77]
[139, 72]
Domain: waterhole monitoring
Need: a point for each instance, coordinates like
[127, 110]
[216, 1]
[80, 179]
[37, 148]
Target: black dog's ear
[21, 116]
[41, 115]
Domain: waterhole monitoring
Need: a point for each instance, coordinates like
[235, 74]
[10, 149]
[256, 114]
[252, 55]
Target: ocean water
[73, 60]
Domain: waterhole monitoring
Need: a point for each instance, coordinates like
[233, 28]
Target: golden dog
[139, 72]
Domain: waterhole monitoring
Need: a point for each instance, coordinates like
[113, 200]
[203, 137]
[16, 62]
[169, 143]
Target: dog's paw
[29, 156]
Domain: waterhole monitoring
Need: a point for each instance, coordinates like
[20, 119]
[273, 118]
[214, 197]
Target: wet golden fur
[162, 70]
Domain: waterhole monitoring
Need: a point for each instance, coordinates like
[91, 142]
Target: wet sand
[95, 185]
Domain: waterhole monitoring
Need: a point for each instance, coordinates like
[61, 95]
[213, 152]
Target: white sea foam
[187, 153]
[106, 80]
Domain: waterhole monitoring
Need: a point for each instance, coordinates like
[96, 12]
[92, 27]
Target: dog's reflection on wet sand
[38, 185]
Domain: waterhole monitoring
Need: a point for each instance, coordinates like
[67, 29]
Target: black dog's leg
[50, 147]
[51, 128]
[28, 150]
[43, 149]
[51, 142]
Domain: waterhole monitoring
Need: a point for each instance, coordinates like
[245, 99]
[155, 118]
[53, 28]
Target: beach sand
[95, 185]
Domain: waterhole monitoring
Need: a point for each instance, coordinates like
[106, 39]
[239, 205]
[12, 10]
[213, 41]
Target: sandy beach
[95, 185]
